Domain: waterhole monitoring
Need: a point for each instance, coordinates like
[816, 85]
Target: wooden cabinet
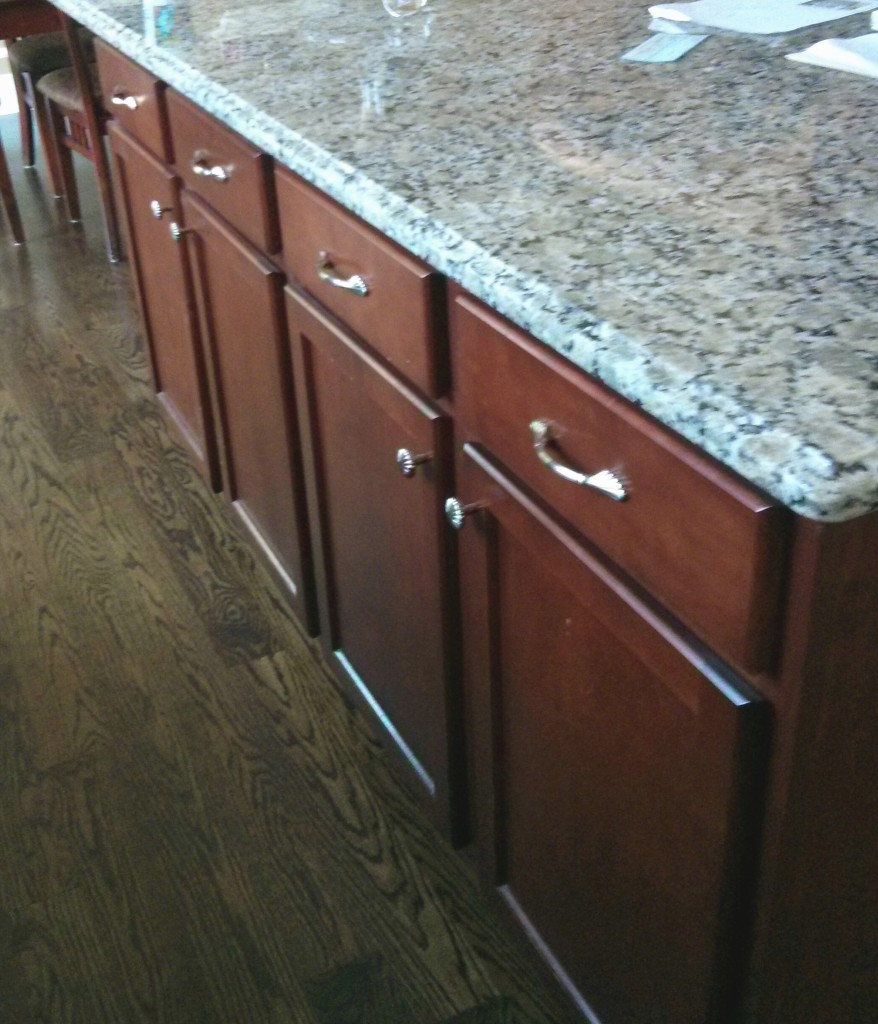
[816, 951]
[581, 686]
[228, 224]
[369, 358]
[378, 456]
[199, 204]
[149, 200]
[149, 188]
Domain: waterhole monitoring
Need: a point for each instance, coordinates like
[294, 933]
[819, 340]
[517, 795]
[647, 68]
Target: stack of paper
[858, 55]
[760, 17]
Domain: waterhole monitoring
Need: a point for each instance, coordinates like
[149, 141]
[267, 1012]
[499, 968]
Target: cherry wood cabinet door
[381, 547]
[167, 304]
[615, 768]
[241, 305]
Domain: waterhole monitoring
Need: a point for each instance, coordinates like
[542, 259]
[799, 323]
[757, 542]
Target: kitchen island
[700, 237]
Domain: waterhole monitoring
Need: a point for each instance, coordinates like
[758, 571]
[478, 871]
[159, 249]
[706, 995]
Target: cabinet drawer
[705, 543]
[135, 98]
[227, 172]
[401, 313]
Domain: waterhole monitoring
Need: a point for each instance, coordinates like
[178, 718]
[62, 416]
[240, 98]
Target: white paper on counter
[662, 49]
[858, 55]
[761, 17]
[676, 28]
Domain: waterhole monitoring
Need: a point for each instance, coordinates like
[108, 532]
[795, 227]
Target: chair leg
[64, 159]
[8, 199]
[92, 126]
[44, 126]
[25, 121]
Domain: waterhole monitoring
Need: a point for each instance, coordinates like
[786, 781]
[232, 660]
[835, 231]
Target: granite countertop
[701, 235]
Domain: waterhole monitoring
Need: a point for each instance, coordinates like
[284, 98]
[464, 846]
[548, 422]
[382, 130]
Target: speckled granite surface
[703, 235]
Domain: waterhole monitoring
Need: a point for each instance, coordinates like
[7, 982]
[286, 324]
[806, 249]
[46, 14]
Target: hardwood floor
[195, 826]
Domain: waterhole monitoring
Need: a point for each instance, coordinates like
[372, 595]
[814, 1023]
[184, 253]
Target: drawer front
[397, 308]
[225, 170]
[135, 99]
[706, 544]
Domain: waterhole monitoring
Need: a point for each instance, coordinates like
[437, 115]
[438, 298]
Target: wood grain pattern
[195, 826]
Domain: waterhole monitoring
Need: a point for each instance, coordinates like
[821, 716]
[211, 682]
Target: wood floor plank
[364, 991]
[45, 367]
[216, 570]
[14, 991]
[82, 964]
[499, 1010]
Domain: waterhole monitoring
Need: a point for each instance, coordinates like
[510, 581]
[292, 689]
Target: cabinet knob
[543, 432]
[456, 513]
[121, 98]
[408, 463]
[176, 232]
[158, 211]
[326, 272]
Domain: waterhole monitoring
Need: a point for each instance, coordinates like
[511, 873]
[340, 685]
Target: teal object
[164, 20]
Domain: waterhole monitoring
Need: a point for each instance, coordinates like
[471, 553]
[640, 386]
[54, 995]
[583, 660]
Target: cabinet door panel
[615, 768]
[380, 543]
[163, 281]
[242, 311]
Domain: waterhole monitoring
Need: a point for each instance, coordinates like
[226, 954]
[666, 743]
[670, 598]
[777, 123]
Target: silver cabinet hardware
[543, 432]
[158, 211]
[121, 98]
[177, 232]
[204, 169]
[456, 513]
[326, 272]
[408, 463]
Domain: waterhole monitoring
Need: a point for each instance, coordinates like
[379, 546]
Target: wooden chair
[21, 19]
[77, 123]
[30, 58]
[7, 197]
